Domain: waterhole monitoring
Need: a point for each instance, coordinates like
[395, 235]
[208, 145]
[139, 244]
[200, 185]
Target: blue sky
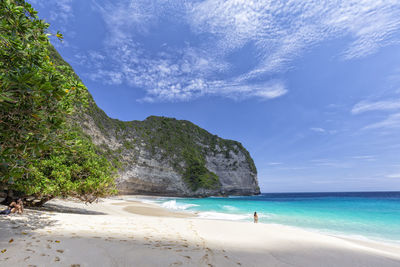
[310, 88]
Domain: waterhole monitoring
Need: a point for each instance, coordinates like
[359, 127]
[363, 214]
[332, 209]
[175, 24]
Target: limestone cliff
[165, 156]
[169, 157]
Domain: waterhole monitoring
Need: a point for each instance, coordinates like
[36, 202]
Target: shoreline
[113, 232]
[356, 238]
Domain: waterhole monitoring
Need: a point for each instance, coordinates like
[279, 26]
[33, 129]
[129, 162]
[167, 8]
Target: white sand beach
[119, 233]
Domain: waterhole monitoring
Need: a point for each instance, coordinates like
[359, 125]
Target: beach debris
[57, 241]
[56, 259]
[11, 240]
[23, 233]
[4, 250]
[60, 251]
[75, 265]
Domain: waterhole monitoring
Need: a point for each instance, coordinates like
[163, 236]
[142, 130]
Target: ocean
[362, 215]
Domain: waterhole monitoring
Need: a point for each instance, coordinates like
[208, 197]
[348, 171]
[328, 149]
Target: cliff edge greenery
[181, 143]
[42, 155]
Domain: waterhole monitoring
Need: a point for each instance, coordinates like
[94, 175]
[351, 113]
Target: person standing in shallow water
[255, 217]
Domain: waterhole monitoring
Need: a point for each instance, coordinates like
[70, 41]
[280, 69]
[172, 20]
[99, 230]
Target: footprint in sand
[178, 263]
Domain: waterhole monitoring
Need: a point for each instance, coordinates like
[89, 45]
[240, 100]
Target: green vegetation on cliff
[181, 143]
[42, 154]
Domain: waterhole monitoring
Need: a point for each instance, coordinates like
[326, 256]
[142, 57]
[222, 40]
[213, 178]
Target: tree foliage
[42, 154]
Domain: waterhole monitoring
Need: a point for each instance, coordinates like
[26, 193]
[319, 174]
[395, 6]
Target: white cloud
[283, 30]
[393, 175]
[280, 31]
[96, 55]
[331, 163]
[62, 13]
[365, 106]
[365, 157]
[274, 163]
[391, 122]
[318, 130]
[109, 77]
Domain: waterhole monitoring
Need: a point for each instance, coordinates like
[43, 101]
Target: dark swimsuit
[6, 211]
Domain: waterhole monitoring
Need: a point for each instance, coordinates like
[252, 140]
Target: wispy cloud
[391, 122]
[365, 157]
[322, 130]
[283, 30]
[365, 106]
[274, 163]
[63, 11]
[318, 130]
[393, 175]
[279, 31]
[108, 77]
[61, 14]
[331, 163]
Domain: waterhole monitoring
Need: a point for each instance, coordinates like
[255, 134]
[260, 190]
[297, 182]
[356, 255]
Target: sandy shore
[119, 233]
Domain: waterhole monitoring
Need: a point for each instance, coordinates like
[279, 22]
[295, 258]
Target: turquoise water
[373, 215]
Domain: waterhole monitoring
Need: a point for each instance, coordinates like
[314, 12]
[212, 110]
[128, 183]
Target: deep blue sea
[371, 215]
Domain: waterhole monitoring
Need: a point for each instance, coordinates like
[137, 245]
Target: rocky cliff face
[168, 157]
[164, 156]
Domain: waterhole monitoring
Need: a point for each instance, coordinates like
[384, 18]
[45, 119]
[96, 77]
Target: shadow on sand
[34, 218]
[15, 224]
[64, 209]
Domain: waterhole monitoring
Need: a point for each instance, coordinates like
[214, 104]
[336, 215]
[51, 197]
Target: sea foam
[172, 205]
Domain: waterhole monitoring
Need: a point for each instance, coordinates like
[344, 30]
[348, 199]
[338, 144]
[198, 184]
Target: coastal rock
[151, 156]
[166, 157]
